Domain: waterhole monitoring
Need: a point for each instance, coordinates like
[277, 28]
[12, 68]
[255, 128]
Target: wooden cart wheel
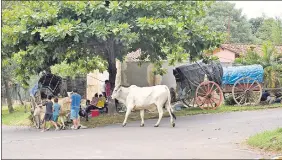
[189, 99]
[247, 91]
[209, 95]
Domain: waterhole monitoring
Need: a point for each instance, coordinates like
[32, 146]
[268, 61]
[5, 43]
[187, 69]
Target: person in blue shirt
[75, 99]
[56, 110]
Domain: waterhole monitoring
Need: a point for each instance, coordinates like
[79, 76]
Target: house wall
[132, 74]
[225, 56]
[95, 81]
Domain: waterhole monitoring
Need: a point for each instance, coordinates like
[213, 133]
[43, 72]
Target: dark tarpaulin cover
[50, 81]
[191, 75]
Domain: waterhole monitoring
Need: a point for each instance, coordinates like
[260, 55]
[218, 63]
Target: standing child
[49, 113]
[56, 111]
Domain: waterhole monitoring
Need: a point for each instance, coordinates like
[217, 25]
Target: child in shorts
[49, 113]
[56, 111]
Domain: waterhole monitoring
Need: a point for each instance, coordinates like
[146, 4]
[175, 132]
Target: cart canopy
[191, 75]
[50, 82]
[234, 73]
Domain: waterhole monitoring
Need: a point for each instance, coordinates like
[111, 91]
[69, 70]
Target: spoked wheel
[189, 99]
[209, 95]
[246, 91]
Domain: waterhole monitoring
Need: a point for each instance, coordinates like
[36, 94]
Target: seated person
[92, 105]
[82, 112]
[101, 103]
[264, 96]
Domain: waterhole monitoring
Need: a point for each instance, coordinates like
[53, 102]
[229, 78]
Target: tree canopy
[222, 14]
[41, 34]
[270, 30]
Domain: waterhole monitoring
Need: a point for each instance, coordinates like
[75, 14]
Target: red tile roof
[242, 48]
[236, 48]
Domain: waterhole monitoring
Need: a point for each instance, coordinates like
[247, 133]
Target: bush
[229, 100]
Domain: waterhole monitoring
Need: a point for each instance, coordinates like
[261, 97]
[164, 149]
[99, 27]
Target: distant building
[131, 73]
[228, 52]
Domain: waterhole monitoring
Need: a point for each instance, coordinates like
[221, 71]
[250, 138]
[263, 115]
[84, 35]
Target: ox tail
[168, 103]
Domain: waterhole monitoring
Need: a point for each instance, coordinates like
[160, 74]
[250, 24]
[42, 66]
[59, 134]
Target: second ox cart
[204, 85]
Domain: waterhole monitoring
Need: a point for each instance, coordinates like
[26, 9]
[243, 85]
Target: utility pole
[228, 28]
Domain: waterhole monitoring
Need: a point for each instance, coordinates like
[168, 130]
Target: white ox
[141, 98]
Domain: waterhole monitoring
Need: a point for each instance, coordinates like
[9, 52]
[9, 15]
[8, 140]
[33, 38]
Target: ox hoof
[141, 125]
[123, 125]
[173, 124]
[156, 125]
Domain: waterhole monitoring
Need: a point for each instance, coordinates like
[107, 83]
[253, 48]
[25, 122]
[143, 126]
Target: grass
[267, 140]
[19, 118]
[103, 120]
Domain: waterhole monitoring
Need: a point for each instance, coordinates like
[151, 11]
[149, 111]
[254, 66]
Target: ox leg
[62, 121]
[142, 117]
[128, 111]
[171, 117]
[160, 110]
[168, 107]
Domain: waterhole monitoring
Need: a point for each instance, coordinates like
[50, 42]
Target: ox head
[120, 93]
[116, 92]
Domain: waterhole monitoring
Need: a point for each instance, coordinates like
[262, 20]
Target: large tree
[7, 80]
[270, 30]
[38, 35]
[256, 23]
[223, 16]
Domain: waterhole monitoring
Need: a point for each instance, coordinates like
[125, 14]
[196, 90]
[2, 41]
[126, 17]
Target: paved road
[199, 136]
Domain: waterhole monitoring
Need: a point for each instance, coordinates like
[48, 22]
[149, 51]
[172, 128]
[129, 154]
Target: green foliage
[40, 34]
[229, 101]
[217, 19]
[17, 118]
[270, 30]
[72, 70]
[267, 140]
[270, 60]
[256, 24]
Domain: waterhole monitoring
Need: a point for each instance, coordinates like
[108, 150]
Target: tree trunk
[19, 95]
[8, 96]
[112, 74]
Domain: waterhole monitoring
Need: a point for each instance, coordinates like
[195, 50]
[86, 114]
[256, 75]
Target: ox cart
[48, 84]
[204, 85]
